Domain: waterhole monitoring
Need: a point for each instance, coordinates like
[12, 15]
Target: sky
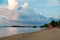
[28, 12]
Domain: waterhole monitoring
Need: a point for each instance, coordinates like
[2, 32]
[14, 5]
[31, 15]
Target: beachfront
[46, 34]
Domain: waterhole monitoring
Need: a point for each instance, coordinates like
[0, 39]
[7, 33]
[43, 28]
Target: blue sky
[35, 8]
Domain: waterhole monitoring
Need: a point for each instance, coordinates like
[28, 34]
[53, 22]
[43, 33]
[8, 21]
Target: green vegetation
[34, 26]
[18, 26]
[23, 26]
[45, 25]
[15, 26]
[53, 23]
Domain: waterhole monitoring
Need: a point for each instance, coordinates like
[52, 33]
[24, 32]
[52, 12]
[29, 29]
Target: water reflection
[13, 31]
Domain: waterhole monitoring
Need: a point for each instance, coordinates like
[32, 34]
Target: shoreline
[45, 34]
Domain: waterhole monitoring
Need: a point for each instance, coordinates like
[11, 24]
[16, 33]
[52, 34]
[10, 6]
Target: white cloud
[12, 4]
[25, 5]
[13, 16]
[8, 15]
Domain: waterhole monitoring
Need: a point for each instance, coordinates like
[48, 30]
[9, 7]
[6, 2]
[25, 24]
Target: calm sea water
[8, 31]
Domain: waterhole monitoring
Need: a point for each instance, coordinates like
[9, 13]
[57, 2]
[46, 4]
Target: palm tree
[59, 22]
[53, 23]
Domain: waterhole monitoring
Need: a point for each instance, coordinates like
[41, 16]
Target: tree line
[52, 24]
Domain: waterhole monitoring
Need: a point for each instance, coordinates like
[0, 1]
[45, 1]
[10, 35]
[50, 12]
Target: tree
[34, 26]
[53, 23]
[56, 23]
[59, 22]
[15, 26]
[45, 25]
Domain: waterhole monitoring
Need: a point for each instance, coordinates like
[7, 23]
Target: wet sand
[46, 34]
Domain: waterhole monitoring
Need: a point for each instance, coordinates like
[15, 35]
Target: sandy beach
[46, 34]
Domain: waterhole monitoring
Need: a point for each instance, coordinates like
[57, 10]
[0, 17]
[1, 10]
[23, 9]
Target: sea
[9, 31]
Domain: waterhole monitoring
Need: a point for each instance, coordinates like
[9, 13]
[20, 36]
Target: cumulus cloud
[25, 5]
[12, 4]
[12, 15]
[8, 15]
[21, 16]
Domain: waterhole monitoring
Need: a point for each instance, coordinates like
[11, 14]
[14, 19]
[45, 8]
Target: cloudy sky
[28, 12]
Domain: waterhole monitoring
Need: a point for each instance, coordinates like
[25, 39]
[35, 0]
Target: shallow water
[8, 31]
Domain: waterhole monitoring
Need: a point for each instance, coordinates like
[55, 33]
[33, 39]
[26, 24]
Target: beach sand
[46, 34]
